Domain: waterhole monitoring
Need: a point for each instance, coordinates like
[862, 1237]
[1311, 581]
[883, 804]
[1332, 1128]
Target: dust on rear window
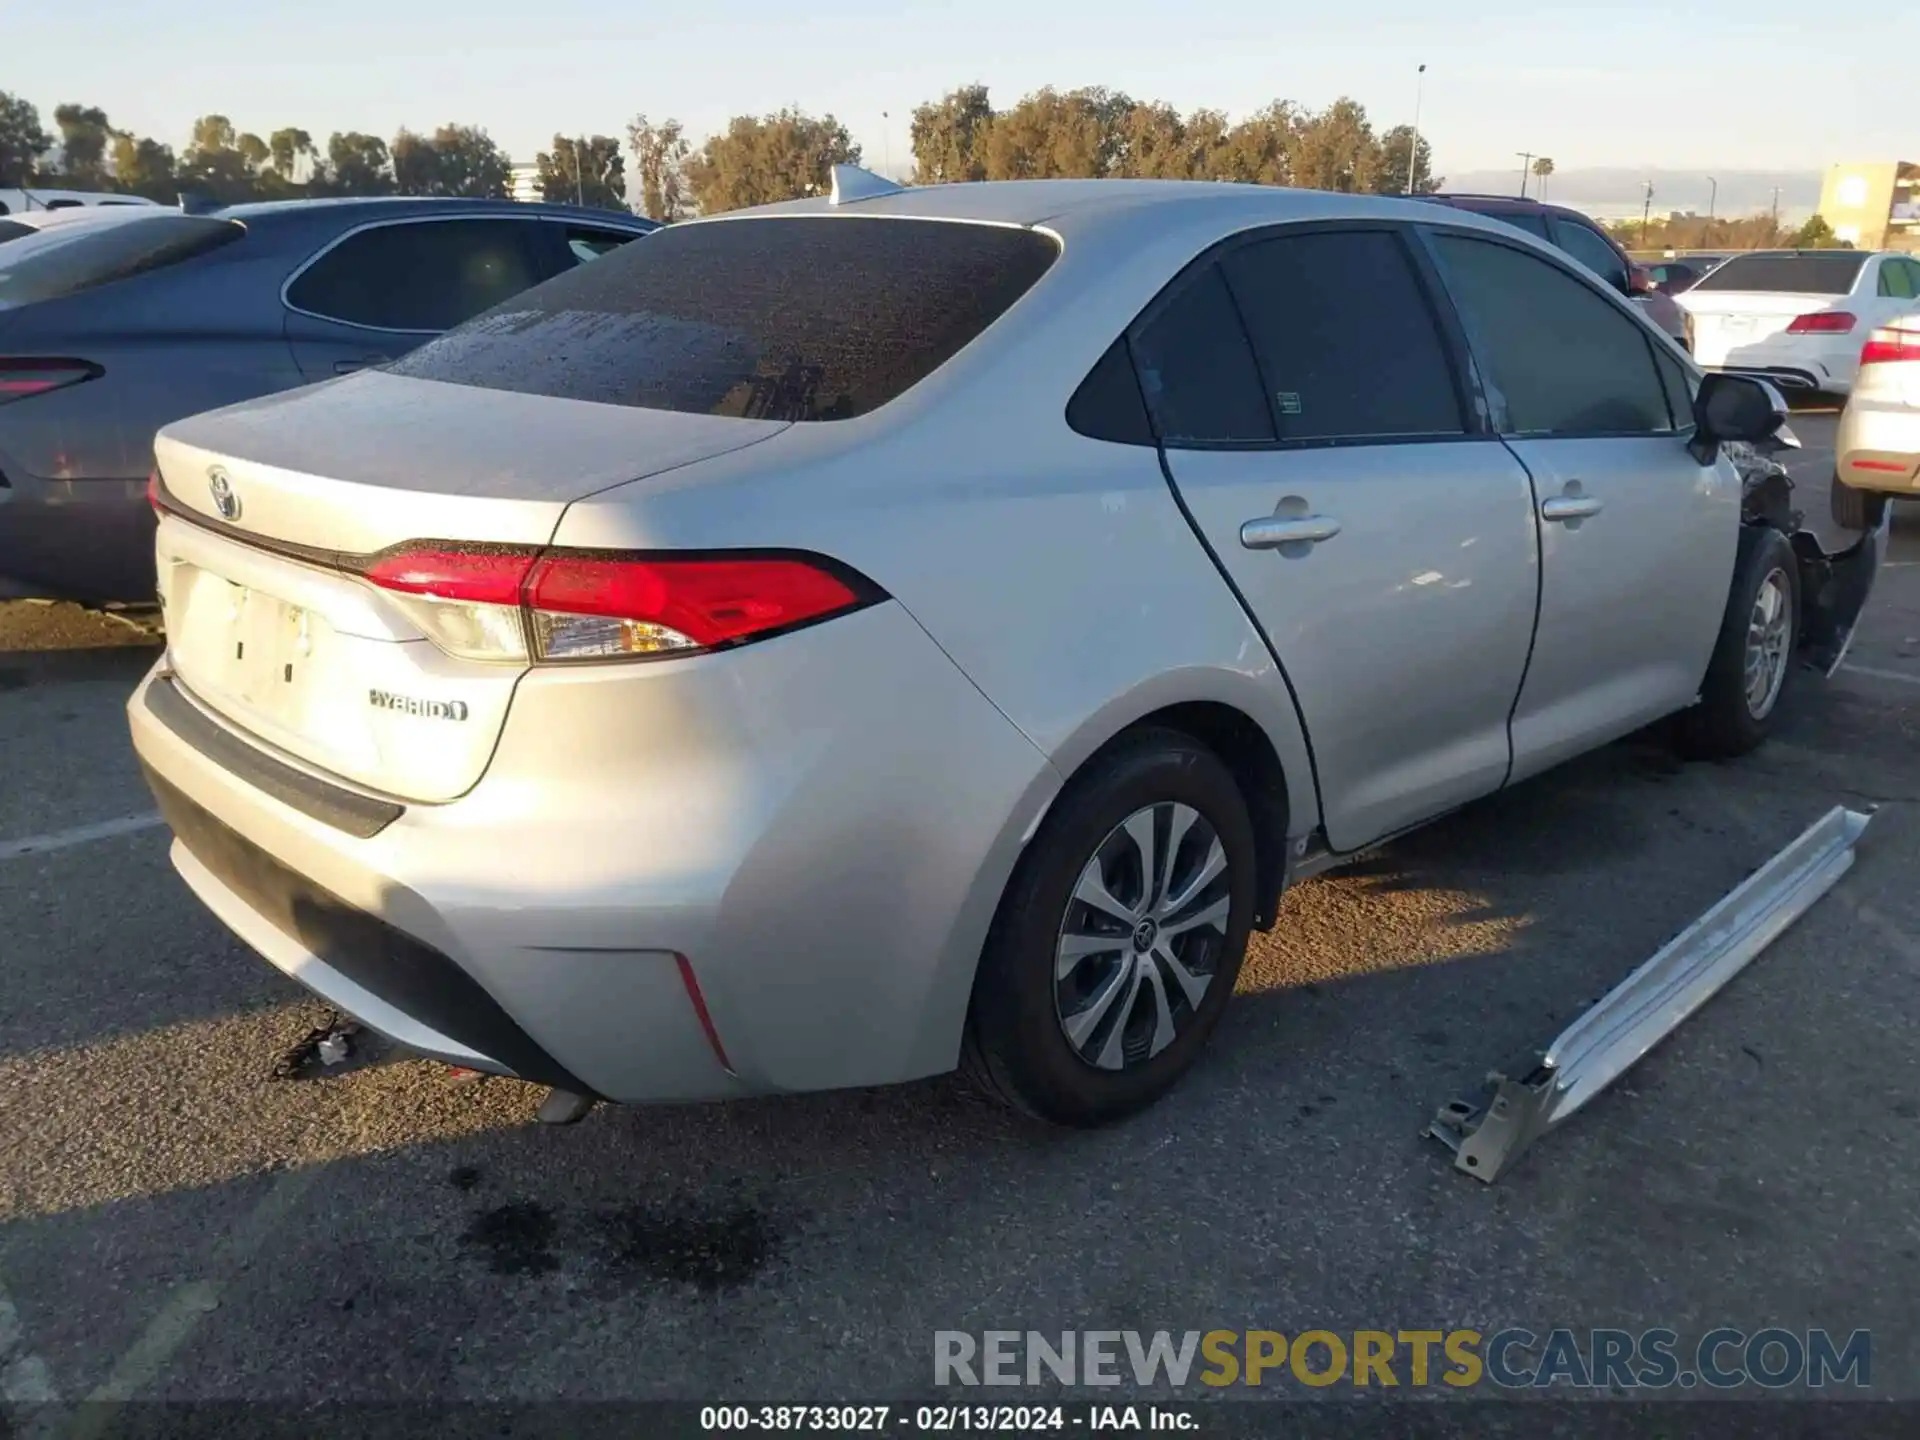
[1831, 273]
[788, 318]
[65, 259]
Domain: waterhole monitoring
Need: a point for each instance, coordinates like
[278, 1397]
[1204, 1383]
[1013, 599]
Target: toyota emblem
[221, 488]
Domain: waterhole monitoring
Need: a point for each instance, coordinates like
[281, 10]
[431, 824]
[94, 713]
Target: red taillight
[711, 602]
[21, 376]
[478, 577]
[1824, 322]
[1890, 346]
[153, 491]
[589, 606]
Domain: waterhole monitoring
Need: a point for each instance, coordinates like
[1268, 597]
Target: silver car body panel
[1426, 591]
[1631, 597]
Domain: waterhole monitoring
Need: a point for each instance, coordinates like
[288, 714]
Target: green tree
[1815, 234]
[287, 150]
[143, 166]
[1336, 150]
[1542, 168]
[660, 157]
[416, 164]
[590, 173]
[762, 159]
[1398, 147]
[456, 160]
[22, 141]
[215, 166]
[84, 137]
[1261, 149]
[356, 164]
[1073, 134]
[950, 137]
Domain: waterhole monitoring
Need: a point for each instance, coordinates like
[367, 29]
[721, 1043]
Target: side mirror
[1735, 408]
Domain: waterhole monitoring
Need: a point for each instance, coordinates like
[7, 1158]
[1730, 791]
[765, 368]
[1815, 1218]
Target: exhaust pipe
[1641, 1010]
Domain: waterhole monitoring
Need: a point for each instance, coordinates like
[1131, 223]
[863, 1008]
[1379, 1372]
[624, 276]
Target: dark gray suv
[110, 330]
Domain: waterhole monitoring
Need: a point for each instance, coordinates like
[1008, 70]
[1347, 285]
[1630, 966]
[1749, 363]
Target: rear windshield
[68, 258]
[1831, 273]
[792, 318]
[12, 229]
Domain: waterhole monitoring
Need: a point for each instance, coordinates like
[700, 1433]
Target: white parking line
[79, 835]
[190, 1304]
[1868, 670]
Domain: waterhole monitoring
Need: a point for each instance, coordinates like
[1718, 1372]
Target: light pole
[1526, 163]
[1413, 150]
[1646, 214]
[1713, 198]
[1773, 237]
[579, 182]
[886, 142]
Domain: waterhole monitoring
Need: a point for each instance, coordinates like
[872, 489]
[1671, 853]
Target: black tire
[1016, 1047]
[1725, 722]
[1855, 509]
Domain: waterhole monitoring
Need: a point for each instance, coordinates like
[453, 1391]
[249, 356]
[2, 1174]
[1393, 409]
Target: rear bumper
[89, 540]
[823, 847]
[1792, 362]
[1877, 447]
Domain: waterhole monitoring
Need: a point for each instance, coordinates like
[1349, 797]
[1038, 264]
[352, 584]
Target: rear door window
[1531, 221]
[1556, 356]
[65, 259]
[1592, 250]
[1197, 370]
[1830, 272]
[782, 318]
[585, 242]
[1895, 279]
[423, 275]
[1345, 338]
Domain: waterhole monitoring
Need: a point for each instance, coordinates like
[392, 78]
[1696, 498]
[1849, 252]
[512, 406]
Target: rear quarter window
[66, 259]
[1830, 273]
[788, 318]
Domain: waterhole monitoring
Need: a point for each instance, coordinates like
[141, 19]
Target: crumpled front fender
[1834, 590]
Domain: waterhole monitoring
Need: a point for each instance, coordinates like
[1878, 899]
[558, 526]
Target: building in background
[523, 183]
[1874, 206]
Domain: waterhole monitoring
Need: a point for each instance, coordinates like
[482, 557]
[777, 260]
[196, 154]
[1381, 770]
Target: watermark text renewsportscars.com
[1772, 1357]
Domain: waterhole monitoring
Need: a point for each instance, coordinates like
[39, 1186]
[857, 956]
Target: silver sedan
[828, 644]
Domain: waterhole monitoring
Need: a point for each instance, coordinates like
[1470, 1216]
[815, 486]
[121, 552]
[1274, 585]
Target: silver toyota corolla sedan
[832, 642]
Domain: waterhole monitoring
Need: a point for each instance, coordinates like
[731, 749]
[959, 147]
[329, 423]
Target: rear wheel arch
[1249, 753]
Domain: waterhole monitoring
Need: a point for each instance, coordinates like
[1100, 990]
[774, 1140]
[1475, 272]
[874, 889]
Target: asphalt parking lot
[180, 1218]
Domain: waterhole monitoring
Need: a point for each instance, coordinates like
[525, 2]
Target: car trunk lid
[1725, 320]
[276, 506]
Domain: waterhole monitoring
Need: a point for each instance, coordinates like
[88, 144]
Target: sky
[1762, 84]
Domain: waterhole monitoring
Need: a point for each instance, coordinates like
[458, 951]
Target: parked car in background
[1877, 448]
[1586, 242]
[825, 641]
[1678, 274]
[31, 201]
[1798, 317]
[108, 330]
